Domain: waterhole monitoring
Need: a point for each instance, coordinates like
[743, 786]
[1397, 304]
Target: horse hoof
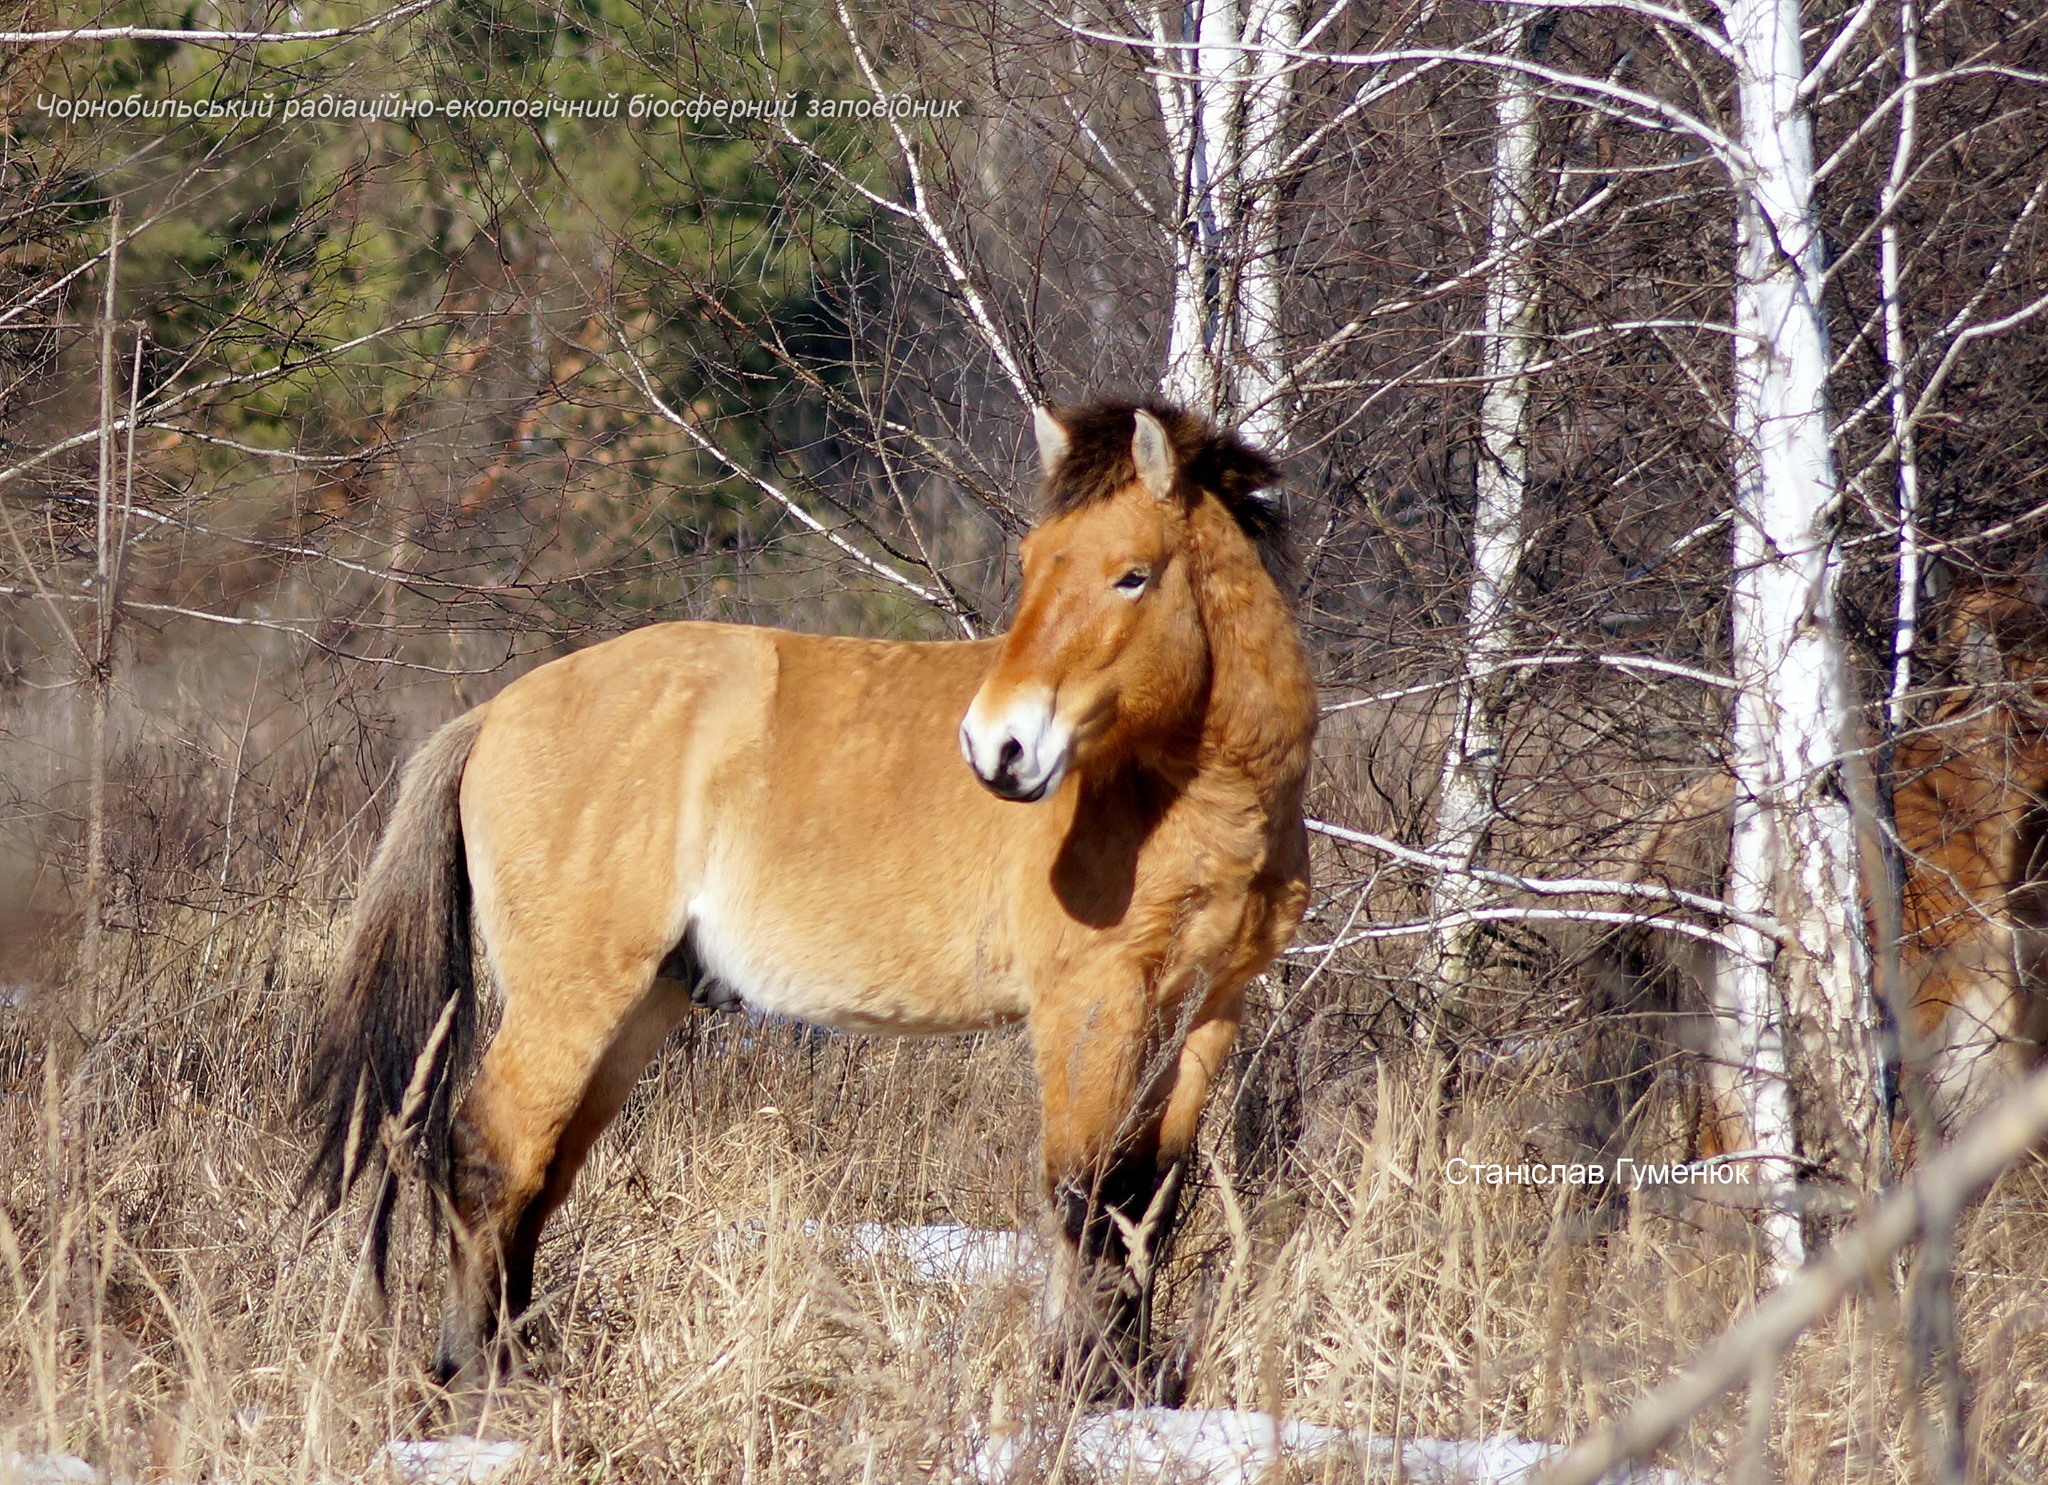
[1169, 1377]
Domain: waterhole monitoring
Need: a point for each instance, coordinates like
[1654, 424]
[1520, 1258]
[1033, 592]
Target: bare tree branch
[165, 33]
[1947, 1183]
[1548, 886]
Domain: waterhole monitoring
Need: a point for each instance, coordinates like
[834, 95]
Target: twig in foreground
[1927, 1203]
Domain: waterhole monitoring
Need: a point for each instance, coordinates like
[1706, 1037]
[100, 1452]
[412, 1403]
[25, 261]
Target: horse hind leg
[548, 1086]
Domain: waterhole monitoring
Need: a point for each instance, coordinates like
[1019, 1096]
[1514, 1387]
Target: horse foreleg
[1122, 1092]
[1201, 1054]
[1098, 1158]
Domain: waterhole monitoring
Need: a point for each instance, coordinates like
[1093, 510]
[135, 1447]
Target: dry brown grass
[167, 1312]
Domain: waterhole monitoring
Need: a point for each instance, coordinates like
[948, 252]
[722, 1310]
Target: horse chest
[1210, 919]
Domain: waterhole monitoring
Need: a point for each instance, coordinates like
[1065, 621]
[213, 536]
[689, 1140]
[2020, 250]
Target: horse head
[1108, 657]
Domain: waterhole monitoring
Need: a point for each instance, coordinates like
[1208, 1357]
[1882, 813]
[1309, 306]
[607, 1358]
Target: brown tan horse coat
[1969, 790]
[1970, 794]
[789, 817]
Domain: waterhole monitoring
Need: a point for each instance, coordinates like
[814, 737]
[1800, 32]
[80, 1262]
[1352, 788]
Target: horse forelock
[1098, 465]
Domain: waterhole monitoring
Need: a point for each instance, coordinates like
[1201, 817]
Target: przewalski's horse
[1970, 798]
[718, 811]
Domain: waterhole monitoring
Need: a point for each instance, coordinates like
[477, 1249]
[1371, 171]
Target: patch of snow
[1221, 1446]
[946, 1252]
[457, 1461]
[46, 1469]
[1213, 1445]
[1500, 1459]
[933, 1253]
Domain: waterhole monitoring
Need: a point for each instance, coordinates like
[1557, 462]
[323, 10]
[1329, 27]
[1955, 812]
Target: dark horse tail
[401, 1006]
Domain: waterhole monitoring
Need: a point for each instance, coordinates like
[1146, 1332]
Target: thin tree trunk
[1256, 393]
[1226, 128]
[98, 664]
[1911, 569]
[1465, 790]
[1793, 849]
[1187, 108]
[1906, 629]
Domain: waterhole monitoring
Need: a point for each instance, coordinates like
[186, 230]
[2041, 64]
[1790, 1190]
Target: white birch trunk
[1906, 629]
[1754, 1066]
[1225, 124]
[1255, 384]
[1793, 849]
[1188, 106]
[1465, 791]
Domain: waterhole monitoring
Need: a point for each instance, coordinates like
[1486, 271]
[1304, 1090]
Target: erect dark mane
[1098, 464]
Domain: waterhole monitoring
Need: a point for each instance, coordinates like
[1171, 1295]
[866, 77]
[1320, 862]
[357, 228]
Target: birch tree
[1793, 849]
[1465, 792]
[1223, 71]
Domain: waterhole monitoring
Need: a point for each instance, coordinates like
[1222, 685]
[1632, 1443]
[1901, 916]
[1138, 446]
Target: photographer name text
[1634, 1174]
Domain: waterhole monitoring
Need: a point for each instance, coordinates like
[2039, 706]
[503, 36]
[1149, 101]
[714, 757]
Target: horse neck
[1261, 712]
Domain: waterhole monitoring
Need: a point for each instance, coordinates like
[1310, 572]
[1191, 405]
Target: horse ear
[1052, 440]
[1154, 455]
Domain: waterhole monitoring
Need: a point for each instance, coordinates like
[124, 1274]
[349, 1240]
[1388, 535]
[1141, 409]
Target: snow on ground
[928, 1253]
[457, 1461]
[945, 1252]
[1219, 1446]
[1499, 1460]
[45, 1469]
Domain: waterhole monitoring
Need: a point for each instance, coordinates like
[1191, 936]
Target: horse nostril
[1008, 758]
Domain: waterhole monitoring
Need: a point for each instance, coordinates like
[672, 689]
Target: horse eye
[1133, 582]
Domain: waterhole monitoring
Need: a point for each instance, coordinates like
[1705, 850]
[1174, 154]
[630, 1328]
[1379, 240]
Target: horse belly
[855, 874]
[877, 979]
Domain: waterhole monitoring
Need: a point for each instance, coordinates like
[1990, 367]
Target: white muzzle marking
[1019, 752]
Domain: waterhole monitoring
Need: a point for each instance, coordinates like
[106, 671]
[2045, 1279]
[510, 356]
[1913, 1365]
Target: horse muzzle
[1019, 753]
